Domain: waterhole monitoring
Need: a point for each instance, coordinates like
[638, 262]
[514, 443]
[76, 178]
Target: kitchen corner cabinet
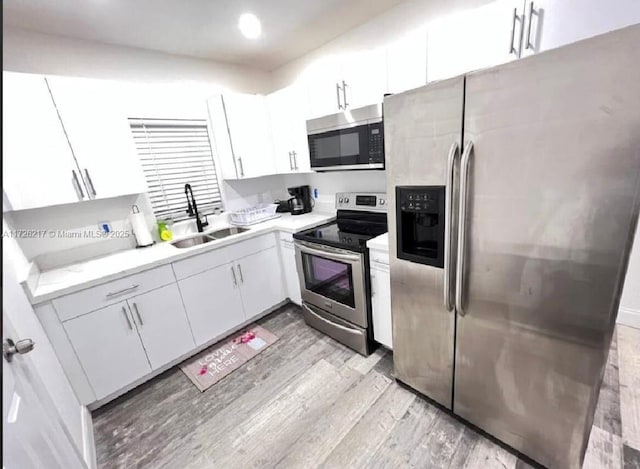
[37, 162]
[242, 132]
[99, 134]
[260, 279]
[554, 23]
[287, 113]
[381, 298]
[213, 303]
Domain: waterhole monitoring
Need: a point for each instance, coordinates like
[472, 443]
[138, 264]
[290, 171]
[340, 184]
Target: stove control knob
[340, 200]
[382, 201]
[346, 200]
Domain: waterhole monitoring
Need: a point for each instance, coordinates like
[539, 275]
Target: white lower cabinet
[260, 279]
[162, 324]
[108, 346]
[381, 301]
[292, 283]
[213, 303]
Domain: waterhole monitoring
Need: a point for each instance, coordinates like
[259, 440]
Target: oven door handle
[328, 254]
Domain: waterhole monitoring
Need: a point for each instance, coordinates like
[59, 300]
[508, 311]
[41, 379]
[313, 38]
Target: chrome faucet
[192, 209]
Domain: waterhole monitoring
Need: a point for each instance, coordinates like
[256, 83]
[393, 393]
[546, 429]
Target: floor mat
[214, 363]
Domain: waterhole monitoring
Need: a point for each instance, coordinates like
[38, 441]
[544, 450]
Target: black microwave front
[349, 140]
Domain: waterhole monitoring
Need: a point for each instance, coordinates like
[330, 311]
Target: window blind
[174, 152]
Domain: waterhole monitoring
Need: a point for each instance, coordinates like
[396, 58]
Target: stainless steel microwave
[352, 139]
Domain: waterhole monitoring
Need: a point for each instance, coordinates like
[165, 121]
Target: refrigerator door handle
[451, 161]
[462, 229]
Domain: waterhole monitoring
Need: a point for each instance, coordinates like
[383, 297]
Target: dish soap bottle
[164, 232]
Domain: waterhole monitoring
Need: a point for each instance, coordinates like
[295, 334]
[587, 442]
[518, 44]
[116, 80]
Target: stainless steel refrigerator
[513, 200]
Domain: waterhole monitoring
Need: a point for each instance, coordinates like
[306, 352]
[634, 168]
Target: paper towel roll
[140, 229]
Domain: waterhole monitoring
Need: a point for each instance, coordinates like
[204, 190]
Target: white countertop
[53, 283]
[379, 243]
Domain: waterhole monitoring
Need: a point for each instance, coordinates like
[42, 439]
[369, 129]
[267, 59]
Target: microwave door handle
[451, 161]
[462, 228]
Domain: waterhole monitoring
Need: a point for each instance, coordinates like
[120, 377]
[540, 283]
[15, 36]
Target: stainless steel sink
[193, 241]
[207, 238]
[227, 232]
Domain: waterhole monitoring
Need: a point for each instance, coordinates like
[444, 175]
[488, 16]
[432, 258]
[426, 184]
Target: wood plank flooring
[306, 402]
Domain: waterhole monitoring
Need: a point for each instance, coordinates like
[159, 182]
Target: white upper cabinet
[407, 62]
[287, 112]
[99, 134]
[38, 166]
[476, 38]
[364, 75]
[341, 82]
[554, 23]
[323, 81]
[246, 151]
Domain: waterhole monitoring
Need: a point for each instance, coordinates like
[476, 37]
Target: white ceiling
[199, 28]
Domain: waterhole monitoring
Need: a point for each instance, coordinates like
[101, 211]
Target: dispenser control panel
[420, 221]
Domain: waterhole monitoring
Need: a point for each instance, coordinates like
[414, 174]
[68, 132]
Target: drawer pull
[120, 292]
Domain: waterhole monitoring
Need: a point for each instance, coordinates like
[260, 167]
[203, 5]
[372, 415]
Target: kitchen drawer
[379, 259]
[82, 302]
[201, 262]
[285, 236]
[252, 246]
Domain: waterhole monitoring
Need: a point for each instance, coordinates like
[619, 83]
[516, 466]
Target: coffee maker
[300, 201]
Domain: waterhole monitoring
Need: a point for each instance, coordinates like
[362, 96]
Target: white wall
[629, 312]
[31, 52]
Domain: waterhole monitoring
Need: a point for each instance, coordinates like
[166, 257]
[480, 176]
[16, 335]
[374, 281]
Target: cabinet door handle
[124, 290]
[240, 272]
[124, 311]
[290, 162]
[344, 95]
[77, 185]
[135, 306]
[528, 44]
[93, 189]
[512, 47]
[295, 160]
[338, 96]
[235, 280]
[241, 167]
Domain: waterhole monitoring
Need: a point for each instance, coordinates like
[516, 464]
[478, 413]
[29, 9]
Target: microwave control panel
[376, 143]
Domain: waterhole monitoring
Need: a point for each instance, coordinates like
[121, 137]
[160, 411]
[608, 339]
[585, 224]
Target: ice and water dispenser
[420, 212]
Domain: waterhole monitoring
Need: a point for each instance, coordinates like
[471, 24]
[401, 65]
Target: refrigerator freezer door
[552, 204]
[421, 128]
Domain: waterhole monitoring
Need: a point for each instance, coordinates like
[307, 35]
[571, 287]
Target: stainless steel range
[333, 267]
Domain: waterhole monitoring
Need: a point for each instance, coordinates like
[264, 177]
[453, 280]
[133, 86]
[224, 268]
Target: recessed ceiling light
[249, 25]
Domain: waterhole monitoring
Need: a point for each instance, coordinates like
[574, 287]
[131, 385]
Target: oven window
[329, 278]
[341, 145]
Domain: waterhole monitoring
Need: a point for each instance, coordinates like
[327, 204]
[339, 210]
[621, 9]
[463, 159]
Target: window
[174, 152]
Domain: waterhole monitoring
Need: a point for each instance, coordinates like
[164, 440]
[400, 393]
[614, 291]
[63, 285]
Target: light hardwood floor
[307, 401]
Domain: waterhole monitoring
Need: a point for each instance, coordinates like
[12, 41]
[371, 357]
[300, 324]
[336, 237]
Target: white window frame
[166, 191]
